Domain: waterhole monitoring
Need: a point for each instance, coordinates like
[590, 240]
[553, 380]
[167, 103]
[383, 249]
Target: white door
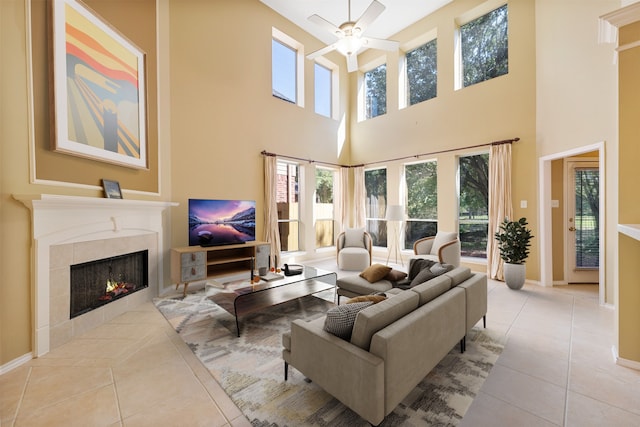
[582, 223]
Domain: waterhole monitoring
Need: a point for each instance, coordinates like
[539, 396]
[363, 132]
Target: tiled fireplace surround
[69, 230]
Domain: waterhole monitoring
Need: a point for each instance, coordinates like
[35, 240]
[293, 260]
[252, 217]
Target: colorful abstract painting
[99, 88]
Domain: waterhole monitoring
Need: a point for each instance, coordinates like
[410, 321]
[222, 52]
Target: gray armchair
[353, 248]
[444, 247]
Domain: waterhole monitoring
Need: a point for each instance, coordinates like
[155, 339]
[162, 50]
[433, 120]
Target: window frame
[403, 83]
[334, 94]
[471, 15]
[299, 192]
[332, 218]
[298, 48]
[470, 221]
[406, 202]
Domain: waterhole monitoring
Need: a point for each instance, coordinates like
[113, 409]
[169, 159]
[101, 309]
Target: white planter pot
[514, 275]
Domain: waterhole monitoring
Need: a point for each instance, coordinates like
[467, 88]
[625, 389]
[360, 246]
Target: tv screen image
[221, 222]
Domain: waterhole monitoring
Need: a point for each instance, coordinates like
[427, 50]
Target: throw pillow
[395, 275]
[340, 319]
[373, 298]
[375, 272]
[354, 238]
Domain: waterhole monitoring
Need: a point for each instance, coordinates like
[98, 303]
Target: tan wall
[223, 112]
[498, 109]
[629, 207]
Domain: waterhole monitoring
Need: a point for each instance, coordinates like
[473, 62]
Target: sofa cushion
[458, 275]
[362, 298]
[354, 238]
[375, 272]
[373, 318]
[339, 320]
[433, 288]
[360, 286]
[395, 275]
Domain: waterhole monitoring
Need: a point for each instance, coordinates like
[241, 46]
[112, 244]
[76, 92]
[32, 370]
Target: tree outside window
[422, 73]
[375, 182]
[421, 180]
[485, 47]
[375, 91]
[474, 205]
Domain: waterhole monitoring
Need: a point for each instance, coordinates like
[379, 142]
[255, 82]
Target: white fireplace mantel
[59, 220]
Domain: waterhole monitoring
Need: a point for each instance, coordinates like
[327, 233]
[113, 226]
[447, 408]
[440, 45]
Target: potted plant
[513, 241]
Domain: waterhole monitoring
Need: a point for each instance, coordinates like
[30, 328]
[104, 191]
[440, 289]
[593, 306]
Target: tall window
[422, 73]
[473, 210]
[323, 90]
[375, 182]
[421, 180]
[375, 91]
[323, 208]
[288, 202]
[484, 46]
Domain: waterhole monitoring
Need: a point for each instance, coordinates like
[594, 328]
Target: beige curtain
[271, 232]
[342, 198]
[500, 203]
[359, 196]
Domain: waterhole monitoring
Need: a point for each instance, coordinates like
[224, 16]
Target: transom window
[323, 89]
[375, 92]
[422, 73]
[473, 209]
[287, 68]
[484, 47]
[421, 183]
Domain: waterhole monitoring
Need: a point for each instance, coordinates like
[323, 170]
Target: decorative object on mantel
[513, 241]
[111, 189]
[98, 80]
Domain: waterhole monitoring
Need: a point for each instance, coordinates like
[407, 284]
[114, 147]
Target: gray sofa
[394, 343]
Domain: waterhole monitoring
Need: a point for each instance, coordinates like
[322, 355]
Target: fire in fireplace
[99, 282]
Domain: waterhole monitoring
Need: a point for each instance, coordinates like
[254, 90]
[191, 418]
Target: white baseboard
[15, 363]
[632, 364]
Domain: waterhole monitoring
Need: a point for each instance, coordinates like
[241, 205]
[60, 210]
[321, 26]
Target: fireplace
[99, 282]
[70, 230]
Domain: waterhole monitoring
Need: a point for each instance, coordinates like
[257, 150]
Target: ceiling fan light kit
[349, 34]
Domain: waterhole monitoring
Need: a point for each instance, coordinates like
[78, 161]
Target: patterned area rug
[250, 368]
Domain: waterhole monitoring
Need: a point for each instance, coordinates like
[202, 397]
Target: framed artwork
[111, 189]
[98, 87]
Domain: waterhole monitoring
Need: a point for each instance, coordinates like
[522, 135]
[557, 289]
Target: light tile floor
[556, 369]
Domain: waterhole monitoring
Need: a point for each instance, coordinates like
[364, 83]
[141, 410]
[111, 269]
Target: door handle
[572, 229]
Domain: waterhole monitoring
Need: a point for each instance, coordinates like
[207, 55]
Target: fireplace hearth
[99, 282]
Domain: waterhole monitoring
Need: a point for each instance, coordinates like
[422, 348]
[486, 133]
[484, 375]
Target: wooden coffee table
[241, 297]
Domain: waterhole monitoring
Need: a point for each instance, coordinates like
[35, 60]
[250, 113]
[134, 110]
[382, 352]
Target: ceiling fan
[350, 35]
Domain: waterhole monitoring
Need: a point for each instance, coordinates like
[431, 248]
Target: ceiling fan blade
[320, 21]
[352, 63]
[320, 52]
[380, 44]
[373, 11]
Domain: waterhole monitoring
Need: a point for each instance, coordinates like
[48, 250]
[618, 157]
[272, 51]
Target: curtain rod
[504, 141]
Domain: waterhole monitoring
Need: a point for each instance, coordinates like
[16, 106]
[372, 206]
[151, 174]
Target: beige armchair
[353, 249]
[444, 247]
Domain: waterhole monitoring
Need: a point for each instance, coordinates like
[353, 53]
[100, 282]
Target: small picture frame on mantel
[111, 189]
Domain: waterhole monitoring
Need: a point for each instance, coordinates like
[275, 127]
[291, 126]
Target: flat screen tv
[221, 222]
